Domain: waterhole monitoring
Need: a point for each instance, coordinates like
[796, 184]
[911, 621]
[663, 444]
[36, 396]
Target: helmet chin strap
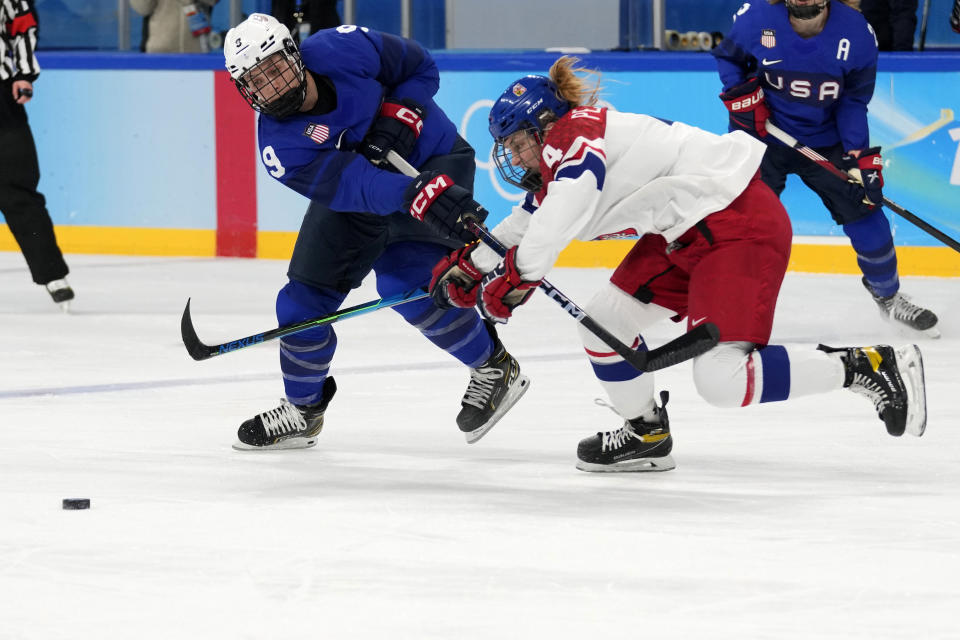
[806, 12]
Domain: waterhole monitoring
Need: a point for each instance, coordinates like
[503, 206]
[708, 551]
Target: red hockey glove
[455, 280]
[433, 198]
[748, 110]
[503, 290]
[397, 127]
[866, 166]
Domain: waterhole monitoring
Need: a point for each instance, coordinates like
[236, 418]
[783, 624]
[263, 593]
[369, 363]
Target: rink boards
[156, 155]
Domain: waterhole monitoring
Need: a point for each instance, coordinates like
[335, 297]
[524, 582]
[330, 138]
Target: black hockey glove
[433, 198]
[866, 166]
[747, 107]
[396, 128]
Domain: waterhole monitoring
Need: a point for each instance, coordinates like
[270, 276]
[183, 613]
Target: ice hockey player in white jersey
[714, 245]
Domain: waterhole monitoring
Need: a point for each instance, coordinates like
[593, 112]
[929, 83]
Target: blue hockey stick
[201, 351]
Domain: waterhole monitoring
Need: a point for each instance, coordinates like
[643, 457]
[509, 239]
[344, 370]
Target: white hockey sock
[630, 392]
[735, 374]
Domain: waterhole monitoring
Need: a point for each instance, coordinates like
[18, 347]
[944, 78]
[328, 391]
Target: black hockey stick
[201, 351]
[815, 157]
[689, 345]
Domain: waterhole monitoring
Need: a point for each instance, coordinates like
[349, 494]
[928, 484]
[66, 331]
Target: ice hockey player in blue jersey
[810, 66]
[330, 111]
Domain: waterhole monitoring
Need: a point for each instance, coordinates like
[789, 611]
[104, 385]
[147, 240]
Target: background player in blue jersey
[330, 111]
[811, 65]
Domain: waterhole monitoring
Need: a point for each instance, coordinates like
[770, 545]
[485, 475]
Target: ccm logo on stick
[428, 194]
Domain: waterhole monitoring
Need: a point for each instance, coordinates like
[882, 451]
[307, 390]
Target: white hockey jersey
[610, 174]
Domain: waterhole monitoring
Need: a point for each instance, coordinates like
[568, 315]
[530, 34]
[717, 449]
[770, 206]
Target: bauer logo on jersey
[768, 38]
[317, 132]
[518, 89]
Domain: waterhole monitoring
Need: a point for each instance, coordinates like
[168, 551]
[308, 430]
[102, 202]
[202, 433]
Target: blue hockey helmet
[529, 104]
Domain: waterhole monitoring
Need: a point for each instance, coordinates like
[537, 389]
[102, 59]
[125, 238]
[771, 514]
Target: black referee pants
[22, 205]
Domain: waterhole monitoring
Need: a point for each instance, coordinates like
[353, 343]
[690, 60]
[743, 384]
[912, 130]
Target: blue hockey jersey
[817, 88]
[313, 153]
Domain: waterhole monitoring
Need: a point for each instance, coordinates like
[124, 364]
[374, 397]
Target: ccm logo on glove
[407, 116]
[428, 194]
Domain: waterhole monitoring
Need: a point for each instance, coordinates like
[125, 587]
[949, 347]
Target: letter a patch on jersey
[768, 38]
[317, 132]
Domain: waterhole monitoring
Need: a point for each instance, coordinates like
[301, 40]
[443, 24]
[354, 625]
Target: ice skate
[893, 380]
[494, 387]
[289, 426]
[61, 293]
[638, 445]
[900, 311]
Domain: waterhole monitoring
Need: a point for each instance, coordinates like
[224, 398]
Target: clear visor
[276, 80]
[518, 158]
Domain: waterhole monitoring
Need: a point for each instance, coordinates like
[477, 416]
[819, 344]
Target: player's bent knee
[720, 374]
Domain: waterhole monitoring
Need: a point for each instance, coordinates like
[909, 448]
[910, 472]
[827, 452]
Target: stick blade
[196, 349]
[693, 343]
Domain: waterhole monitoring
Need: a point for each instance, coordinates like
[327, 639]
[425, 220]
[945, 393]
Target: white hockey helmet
[265, 65]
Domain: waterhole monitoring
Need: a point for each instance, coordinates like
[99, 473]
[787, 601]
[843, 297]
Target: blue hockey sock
[873, 242]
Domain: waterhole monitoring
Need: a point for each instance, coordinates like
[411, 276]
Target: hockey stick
[201, 351]
[812, 155]
[689, 345]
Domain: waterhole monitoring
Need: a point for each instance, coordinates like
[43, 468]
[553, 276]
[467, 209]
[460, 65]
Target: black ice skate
[61, 292]
[893, 380]
[899, 310]
[494, 387]
[289, 426]
[636, 446]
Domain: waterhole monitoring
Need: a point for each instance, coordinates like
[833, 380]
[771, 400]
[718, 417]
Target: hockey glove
[866, 166]
[396, 128]
[446, 207]
[748, 110]
[455, 280]
[503, 289]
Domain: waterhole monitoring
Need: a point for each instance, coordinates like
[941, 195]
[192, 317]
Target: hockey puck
[76, 503]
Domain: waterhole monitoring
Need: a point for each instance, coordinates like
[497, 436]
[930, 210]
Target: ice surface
[797, 520]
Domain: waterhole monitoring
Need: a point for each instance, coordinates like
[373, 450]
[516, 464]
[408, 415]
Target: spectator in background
[305, 17]
[894, 21]
[21, 204]
[955, 16]
[168, 24]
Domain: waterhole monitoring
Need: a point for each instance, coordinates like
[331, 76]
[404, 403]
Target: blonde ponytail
[573, 88]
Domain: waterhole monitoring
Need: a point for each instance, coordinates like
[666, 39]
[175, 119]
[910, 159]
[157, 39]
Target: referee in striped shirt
[21, 204]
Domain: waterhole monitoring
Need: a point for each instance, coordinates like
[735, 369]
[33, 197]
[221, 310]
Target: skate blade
[910, 363]
[514, 394]
[641, 464]
[65, 306]
[289, 443]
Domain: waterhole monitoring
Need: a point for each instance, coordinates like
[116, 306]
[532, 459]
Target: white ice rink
[798, 520]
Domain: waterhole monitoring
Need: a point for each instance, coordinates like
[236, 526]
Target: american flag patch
[317, 132]
[768, 38]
